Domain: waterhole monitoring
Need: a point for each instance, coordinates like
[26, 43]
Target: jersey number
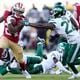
[67, 28]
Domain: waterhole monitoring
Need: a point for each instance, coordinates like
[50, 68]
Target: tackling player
[8, 62]
[46, 65]
[65, 26]
[12, 27]
[53, 58]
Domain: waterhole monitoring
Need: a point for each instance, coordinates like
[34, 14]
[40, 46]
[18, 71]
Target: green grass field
[63, 76]
[36, 77]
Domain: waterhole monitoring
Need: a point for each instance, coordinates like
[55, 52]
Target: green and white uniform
[48, 64]
[65, 28]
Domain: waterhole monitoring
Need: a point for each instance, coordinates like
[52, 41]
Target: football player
[53, 58]
[46, 65]
[70, 15]
[12, 27]
[65, 26]
[8, 62]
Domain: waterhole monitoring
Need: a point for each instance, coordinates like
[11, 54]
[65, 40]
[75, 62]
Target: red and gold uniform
[77, 13]
[8, 16]
[8, 40]
[12, 27]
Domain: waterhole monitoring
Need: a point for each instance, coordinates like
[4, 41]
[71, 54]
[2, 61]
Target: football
[19, 26]
[13, 21]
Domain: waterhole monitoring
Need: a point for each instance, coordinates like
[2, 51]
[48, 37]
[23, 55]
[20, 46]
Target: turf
[36, 77]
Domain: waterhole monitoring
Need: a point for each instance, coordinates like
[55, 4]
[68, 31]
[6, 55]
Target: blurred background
[35, 11]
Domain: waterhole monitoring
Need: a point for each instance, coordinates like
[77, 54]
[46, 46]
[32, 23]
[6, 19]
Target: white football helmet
[18, 9]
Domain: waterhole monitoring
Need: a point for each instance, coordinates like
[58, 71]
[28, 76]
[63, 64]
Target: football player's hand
[25, 22]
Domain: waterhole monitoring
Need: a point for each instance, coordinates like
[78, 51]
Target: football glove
[25, 22]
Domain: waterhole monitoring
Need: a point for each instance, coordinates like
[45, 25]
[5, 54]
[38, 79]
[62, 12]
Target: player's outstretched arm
[42, 25]
[61, 67]
[25, 22]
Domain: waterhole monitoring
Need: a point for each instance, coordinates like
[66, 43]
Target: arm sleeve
[6, 13]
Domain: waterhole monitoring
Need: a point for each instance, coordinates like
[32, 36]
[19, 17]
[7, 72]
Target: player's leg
[14, 70]
[73, 53]
[37, 69]
[8, 64]
[33, 59]
[18, 53]
[65, 54]
[39, 51]
[4, 69]
[71, 59]
[77, 59]
[3, 44]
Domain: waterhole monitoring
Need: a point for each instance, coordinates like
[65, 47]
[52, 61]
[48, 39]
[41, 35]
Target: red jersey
[6, 33]
[77, 9]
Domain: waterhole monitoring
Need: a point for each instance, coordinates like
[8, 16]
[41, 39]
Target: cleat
[26, 74]
[78, 75]
[74, 76]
